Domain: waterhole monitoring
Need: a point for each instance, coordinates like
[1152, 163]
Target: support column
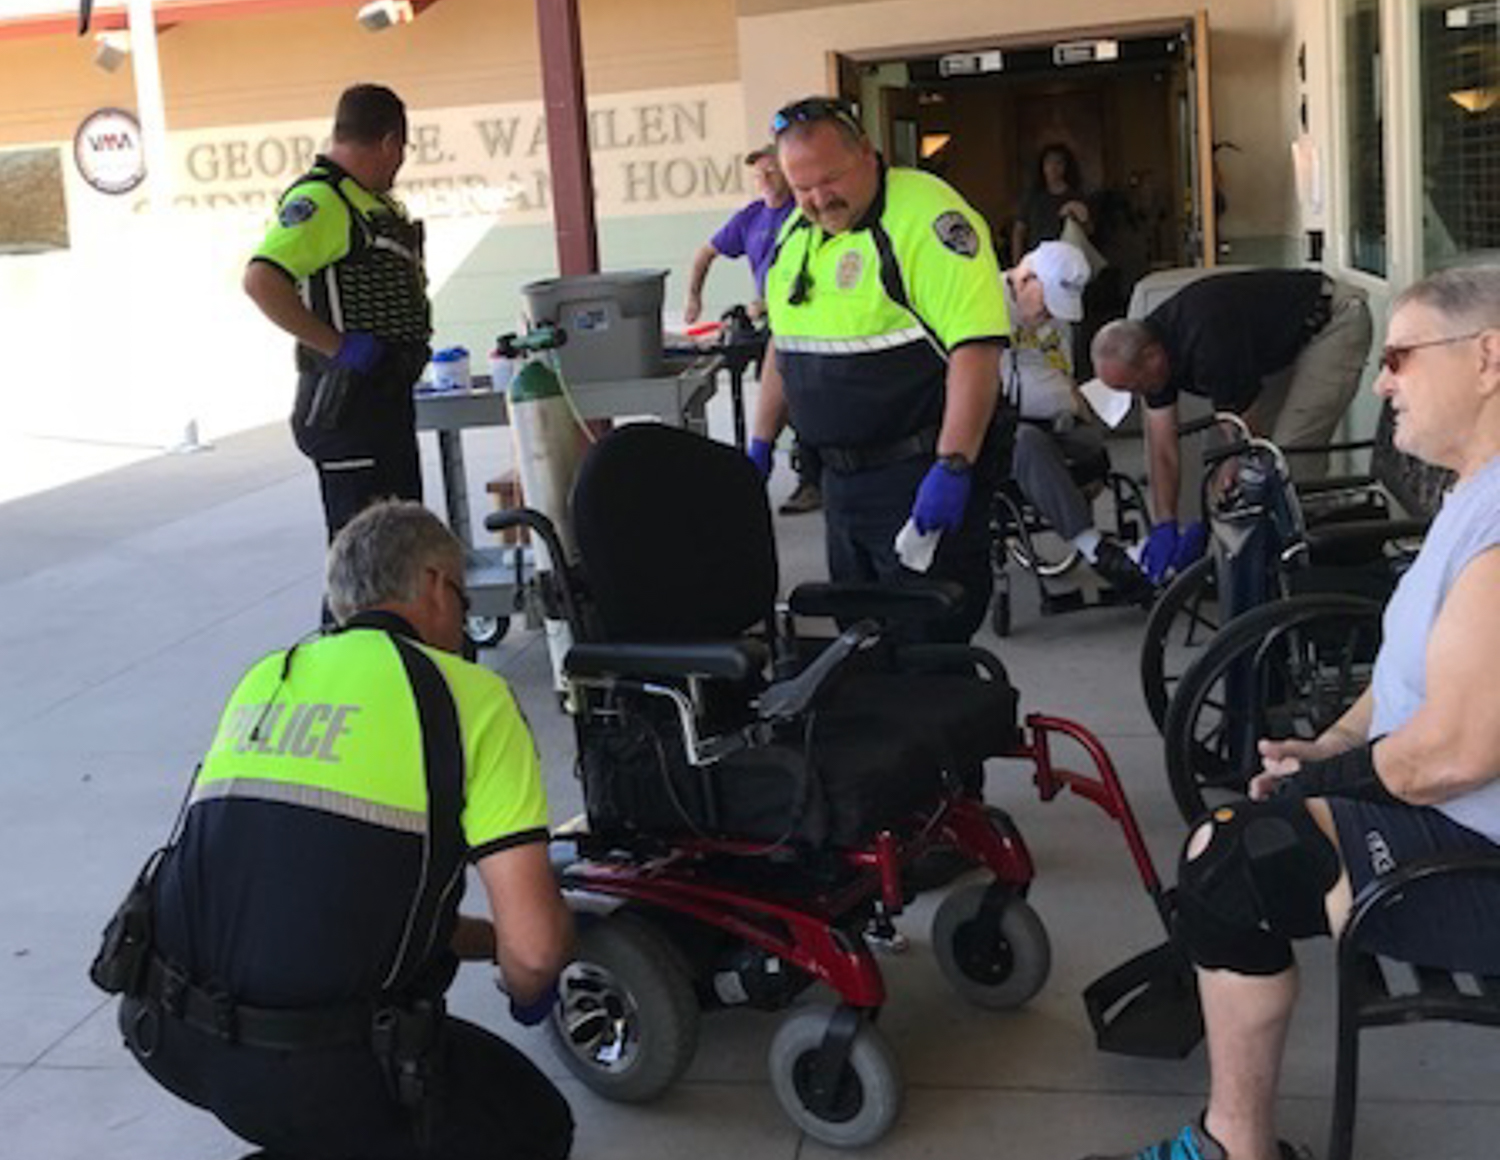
[568, 137]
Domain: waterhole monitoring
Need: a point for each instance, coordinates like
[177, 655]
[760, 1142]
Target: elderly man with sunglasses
[887, 319]
[1283, 348]
[1410, 771]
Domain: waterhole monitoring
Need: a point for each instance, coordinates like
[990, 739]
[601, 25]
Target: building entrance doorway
[1129, 103]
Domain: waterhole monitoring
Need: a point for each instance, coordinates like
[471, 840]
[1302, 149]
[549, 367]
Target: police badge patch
[851, 266]
[297, 211]
[955, 232]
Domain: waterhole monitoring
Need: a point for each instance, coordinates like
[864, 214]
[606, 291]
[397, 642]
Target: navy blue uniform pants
[492, 1102]
[865, 509]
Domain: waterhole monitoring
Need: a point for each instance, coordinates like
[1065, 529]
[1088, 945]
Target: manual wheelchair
[757, 802]
[1021, 536]
[1300, 606]
[1337, 535]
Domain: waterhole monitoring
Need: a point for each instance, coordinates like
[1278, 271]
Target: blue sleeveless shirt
[1467, 524]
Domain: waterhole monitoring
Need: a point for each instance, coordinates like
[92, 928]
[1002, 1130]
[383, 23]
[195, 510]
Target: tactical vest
[380, 285]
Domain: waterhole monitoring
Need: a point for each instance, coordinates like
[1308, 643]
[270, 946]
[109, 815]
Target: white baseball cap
[1063, 272]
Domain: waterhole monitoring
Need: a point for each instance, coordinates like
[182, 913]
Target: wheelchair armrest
[1386, 889]
[722, 660]
[1366, 534]
[791, 698]
[908, 603]
[949, 658]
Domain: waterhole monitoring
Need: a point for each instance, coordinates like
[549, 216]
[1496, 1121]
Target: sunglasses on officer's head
[811, 109]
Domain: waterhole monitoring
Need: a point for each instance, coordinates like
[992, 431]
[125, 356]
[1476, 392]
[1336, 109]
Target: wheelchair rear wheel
[1181, 622]
[868, 1094]
[627, 1022]
[1288, 669]
[993, 949]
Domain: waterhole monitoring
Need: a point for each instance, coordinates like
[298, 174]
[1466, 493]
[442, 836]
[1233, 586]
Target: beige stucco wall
[289, 66]
[783, 46]
[140, 325]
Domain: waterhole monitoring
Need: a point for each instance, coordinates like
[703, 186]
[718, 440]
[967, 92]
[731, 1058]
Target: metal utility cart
[497, 576]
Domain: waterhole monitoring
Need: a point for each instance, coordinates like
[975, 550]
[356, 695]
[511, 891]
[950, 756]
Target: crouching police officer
[306, 919]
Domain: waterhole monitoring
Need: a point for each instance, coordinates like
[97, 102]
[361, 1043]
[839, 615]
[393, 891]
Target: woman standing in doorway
[1056, 195]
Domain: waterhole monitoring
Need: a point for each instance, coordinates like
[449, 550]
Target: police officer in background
[341, 271]
[887, 319]
[306, 919]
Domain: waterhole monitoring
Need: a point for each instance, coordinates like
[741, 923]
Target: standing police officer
[306, 921]
[341, 271]
[887, 319]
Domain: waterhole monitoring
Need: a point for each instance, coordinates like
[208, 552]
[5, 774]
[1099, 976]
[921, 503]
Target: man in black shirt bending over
[1282, 348]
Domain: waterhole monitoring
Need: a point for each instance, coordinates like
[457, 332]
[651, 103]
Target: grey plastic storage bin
[613, 323]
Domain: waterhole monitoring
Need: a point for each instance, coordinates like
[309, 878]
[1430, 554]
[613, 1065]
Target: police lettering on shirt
[301, 730]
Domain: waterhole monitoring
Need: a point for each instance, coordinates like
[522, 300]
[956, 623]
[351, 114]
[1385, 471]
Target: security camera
[381, 14]
[111, 49]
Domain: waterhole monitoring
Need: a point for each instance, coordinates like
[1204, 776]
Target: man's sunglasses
[811, 109]
[1394, 357]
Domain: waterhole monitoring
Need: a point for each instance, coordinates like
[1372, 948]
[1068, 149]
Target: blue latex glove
[941, 499]
[1160, 549]
[1190, 545]
[760, 455]
[530, 1014]
[359, 352]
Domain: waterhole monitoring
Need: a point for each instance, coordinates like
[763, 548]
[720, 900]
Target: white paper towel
[916, 549]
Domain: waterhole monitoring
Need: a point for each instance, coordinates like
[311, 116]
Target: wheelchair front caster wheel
[486, 631]
[1000, 614]
[627, 1021]
[993, 951]
[867, 1096]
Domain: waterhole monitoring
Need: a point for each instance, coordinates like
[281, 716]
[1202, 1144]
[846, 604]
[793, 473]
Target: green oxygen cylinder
[549, 447]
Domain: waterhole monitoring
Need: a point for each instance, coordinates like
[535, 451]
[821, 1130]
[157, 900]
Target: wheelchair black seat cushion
[674, 535]
[860, 775]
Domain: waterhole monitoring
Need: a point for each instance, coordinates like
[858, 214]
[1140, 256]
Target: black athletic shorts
[1451, 922]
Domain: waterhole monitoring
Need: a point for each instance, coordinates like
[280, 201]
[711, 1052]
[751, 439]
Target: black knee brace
[1259, 883]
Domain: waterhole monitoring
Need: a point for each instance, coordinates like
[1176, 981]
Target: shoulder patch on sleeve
[297, 210]
[955, 232]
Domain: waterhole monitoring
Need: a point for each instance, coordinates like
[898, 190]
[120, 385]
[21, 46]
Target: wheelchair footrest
[1068, 600]
[1147, 1006]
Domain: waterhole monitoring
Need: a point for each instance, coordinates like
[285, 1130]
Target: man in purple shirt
[751, 234]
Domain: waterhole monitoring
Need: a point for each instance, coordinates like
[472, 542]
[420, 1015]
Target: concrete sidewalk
[132, 602]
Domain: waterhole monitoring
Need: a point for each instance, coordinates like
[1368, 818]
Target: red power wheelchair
[759, 803]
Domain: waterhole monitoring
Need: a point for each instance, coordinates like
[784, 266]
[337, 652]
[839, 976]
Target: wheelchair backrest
[1418, 487]
[674, 537]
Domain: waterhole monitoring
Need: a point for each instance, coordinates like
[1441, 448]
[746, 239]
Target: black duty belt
[278, 1029]
[846, 460]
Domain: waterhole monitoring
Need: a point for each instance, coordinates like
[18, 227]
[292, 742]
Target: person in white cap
[1045, 295]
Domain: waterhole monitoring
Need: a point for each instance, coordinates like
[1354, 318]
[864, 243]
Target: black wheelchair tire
[626, 992]
[1184, 598]
[486, 631]
[1194, 770]
[871, 1087]
[1014, 960]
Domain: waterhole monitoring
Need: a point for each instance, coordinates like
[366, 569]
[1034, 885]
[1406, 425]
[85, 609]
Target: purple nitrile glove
[1190, 545]
[359, 352]
[1161, 547]
[941, 499]
[530, 1014]
[759, 452]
